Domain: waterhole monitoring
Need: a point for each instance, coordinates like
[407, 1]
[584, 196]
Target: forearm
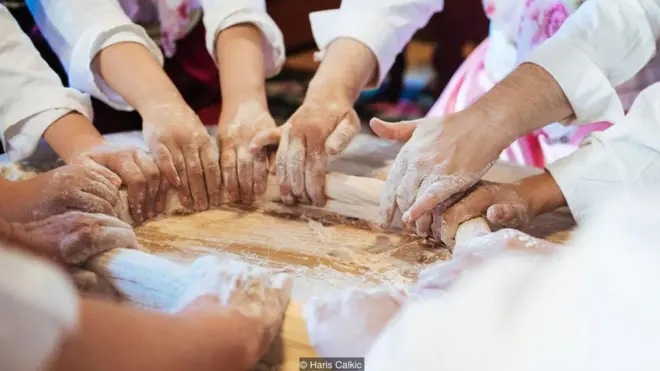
[112, 337]
[347, 68]
[72, 135]
[240, 59]
[135, 74]
[526, 100]
[542, 193]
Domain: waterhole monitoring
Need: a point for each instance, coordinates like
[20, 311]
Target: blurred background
[415, 81]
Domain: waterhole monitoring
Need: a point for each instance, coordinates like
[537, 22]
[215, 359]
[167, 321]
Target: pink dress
[517, 27]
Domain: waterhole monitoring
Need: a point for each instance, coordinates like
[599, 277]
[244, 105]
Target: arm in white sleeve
[603, 44]
[222, 14]
[78, 30]
[384, 26]
[624, 158]
[31, 94]
[38, 308]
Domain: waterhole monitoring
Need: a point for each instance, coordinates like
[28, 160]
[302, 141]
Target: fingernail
[177, 181]
[406, 218]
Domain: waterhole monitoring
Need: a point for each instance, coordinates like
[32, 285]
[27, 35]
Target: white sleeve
[222, 14]
[591, 306]
[31, 94]
[603, 44]
[384, 26]
[38, 307]
[79, 30]
[625, 157]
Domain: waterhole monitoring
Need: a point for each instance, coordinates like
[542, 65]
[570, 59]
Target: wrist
[541, 193]
[233, 98]
[72, 135]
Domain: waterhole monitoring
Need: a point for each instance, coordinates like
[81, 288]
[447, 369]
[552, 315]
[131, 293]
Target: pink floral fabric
[173, 17]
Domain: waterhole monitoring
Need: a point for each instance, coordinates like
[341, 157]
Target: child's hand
[244, 169]
[67, 188]
[510, 205]
[147, 190]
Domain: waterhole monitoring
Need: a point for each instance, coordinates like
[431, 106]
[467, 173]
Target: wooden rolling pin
[157, 283]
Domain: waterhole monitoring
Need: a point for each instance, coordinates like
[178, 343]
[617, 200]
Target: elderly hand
[66, 188]
[321, 127]
[74, 237]
[442, 157]
[441, 275]
[147, 190]
[345, 324]
[185, 154]
[244, 167]
[251, 294]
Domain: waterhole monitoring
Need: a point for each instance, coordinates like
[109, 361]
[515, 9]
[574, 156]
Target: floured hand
[74, 237]
[244, 168]
[185, 154]
[441, 159]
[347, 323]
[66, 188]
[318, 129]
[147, 190]
[440, 276]
[236, 289]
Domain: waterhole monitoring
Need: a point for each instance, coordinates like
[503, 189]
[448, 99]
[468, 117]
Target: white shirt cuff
[252, 12]
[25, 129]
[365, 27]
[38, 307]
[589, 91]
[104, 34]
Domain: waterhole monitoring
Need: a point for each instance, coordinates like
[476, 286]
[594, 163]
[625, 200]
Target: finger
[161, 197]
[315, 163]
[91, 203]
[295, 164]
[184, 187]
[281, 167]
[195, 176]
[407, 191]
[265, 138]
[508, 215]
[423, 225]
[260, 173]
[107, 176]
[101, 187]
[400, 131]
[210, 164]
[470, 207]
[245, 175]
[170, 165]
[437, 192]
[136, 184]
[388, 205]
[341, 137]
[152, 175]
[229, 174]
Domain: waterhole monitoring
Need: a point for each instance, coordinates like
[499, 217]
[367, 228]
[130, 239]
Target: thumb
[265, 138]
[400, 131]
[508, 215]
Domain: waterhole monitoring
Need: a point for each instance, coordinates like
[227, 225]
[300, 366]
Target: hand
[440, 276]
[347, 323]
[147, 190]
[238, 289]
[317, 129]
[505, 205]
[244, 168]
[67, 188]
[442, 157]
[185, 155]
[74, 237]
